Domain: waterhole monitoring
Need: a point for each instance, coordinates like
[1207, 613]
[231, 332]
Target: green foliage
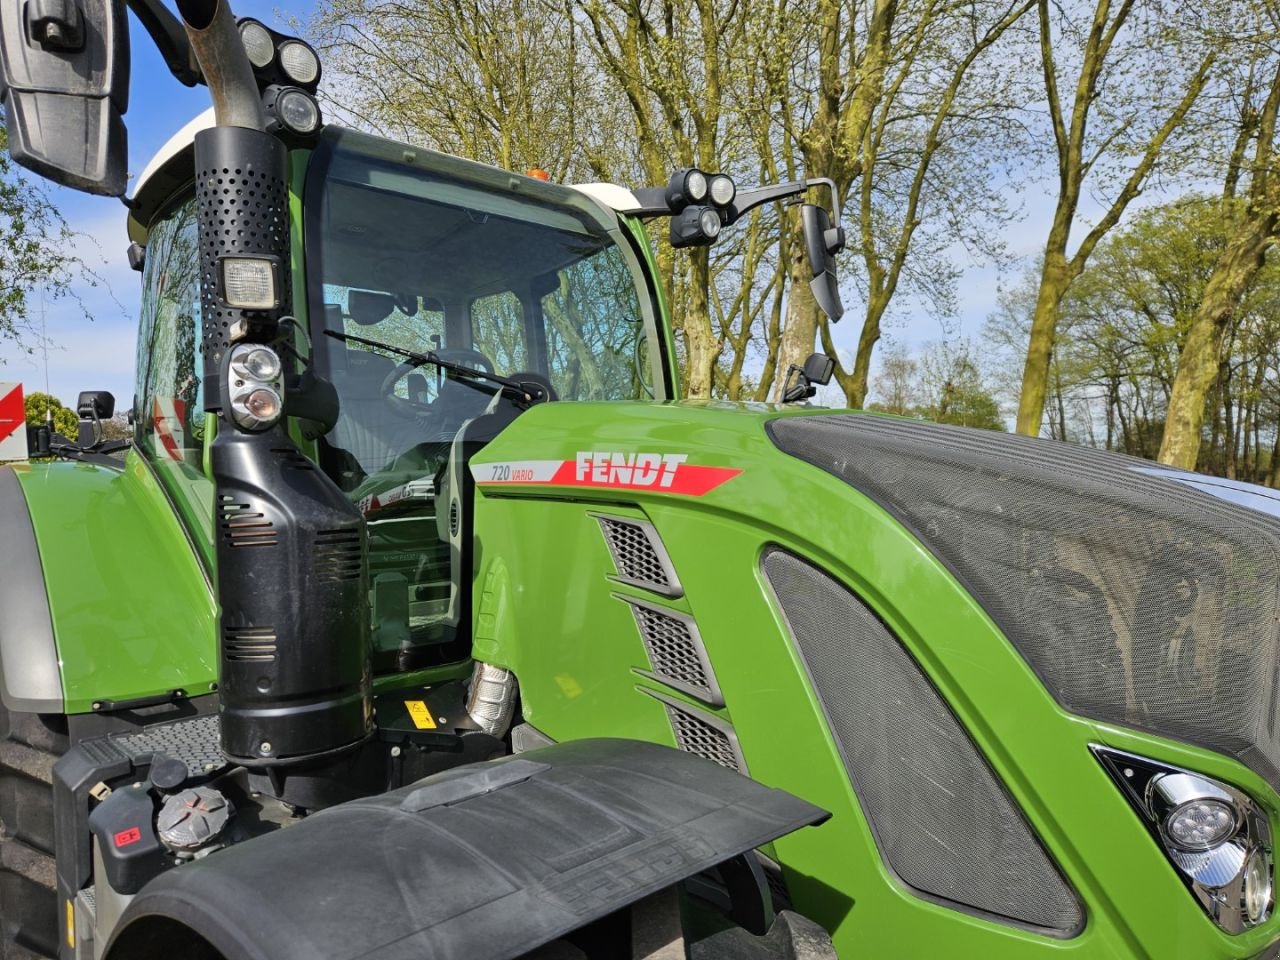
[37, 252]
[38, 406]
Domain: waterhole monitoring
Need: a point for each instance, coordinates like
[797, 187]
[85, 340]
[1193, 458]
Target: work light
[249, 283]
[1257, 886]
[291, 109]
[257, 43]
[695, 227]
[722, 190]
[299, 62]
[686, 187]
[1195, 814]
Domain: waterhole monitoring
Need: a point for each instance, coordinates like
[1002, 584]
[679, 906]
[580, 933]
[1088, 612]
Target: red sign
[126, 837]
[13, 415]
[657, 472]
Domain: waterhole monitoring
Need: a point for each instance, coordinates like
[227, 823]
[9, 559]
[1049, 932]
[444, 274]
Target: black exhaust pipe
[291, 551]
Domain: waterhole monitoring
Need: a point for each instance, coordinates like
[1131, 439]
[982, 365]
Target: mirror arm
[167, 32]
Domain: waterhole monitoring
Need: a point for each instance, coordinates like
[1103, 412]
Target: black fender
[30, 677]
[484, 862]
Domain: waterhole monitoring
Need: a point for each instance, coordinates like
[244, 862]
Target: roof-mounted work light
[686, 187]
[695, 227]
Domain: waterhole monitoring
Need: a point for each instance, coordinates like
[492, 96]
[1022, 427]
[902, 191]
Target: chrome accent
[639, 557]
[491, 701]
[1214, 876]
[702, 734]
[676, 652]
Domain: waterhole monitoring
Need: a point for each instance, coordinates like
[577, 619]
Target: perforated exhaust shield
[1136, 599]
[941, 819]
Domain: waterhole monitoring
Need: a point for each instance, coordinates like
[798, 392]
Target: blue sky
[99, 353]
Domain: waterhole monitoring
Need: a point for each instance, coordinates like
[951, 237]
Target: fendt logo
[629, 469]
[618, 470]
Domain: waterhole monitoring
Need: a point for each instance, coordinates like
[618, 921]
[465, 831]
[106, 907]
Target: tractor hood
[1139, 595]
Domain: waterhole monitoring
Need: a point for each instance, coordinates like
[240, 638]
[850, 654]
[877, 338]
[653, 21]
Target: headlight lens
[298, 111]
[1200, 824]
[257, 43]
[1257, 886]
[695, 186]
[260, 364]
[722, 190]
[709, 220]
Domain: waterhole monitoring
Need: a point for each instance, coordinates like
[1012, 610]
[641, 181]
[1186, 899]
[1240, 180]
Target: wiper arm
[515, 389]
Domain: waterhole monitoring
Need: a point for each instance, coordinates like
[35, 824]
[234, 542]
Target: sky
[98, 353]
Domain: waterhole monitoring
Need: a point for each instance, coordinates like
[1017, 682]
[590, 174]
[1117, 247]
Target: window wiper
[522, 392]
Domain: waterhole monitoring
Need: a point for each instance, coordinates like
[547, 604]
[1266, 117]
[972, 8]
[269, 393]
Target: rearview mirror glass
[64, 80]
[822, 242]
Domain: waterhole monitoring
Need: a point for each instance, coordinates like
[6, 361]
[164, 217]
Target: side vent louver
[243, 526]
[941, 818]
[702, 734]
[249, 644]
[675, 650]
[337, 555]
[638, 555]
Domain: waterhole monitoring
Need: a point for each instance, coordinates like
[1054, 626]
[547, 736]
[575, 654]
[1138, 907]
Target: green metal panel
[548, 612]
[133, 614]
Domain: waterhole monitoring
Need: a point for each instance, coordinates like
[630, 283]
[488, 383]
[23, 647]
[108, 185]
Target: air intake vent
[249, 644]
[675, 650]
[243, 526]
[941, 818]
[337, 555]
[638, 555]
[702, 734]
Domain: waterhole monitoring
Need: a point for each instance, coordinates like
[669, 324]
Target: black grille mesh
[636, 555]
[675, 651]
[1137, 599]
[941, 819]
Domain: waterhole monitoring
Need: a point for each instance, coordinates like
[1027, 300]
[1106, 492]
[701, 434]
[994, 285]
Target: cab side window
[170, 418]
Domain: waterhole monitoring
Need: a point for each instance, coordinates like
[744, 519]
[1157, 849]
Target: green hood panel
[133, 614]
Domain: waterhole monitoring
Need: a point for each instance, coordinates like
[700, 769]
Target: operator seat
[374, 428]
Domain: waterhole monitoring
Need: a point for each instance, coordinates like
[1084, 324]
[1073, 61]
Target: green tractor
[422, 619]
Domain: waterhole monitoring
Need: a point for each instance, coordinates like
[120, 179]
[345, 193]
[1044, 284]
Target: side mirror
[367, 307]
[64, 80]
[96, 405]
[799, 385]
[822, 242]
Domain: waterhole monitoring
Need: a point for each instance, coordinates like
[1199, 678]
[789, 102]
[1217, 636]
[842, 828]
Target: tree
[37, 252]
[41, 408]
[1138, 74]
[1255, 219]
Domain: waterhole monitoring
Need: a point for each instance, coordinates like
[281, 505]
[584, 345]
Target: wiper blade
[515, 389]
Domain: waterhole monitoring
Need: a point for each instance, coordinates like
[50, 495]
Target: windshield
[456, 261]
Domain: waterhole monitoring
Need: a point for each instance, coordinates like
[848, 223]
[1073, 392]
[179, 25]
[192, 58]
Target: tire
[29, 745]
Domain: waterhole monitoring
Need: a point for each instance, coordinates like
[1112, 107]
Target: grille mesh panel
[638, 555]
[1137, 599]
[941, 819]
[675, 651]
[698, 737]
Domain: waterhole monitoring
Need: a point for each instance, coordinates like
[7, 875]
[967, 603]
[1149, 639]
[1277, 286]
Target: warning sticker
[420, 715]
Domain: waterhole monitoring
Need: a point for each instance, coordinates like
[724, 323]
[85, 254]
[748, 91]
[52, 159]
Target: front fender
[103, 597]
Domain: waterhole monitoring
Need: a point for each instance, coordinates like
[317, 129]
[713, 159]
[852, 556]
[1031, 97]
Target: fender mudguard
[483, 862]
[30, 680]
[102, 598]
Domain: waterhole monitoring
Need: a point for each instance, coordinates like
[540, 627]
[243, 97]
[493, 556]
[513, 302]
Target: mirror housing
[822, 242]
[96, 405]
[64, 81]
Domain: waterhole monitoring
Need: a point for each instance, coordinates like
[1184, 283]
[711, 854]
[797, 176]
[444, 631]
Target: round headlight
[722, 190]
[298, 111]
[709, 221]
[1200, 824]
[1257, 886]
[262, 404]
[695, 186]
[299, 62]
[257, 43]
[261, 364]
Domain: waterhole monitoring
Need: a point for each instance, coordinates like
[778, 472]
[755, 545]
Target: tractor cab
[406, 252]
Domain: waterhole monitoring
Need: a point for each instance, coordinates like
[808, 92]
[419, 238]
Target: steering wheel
[462, 355]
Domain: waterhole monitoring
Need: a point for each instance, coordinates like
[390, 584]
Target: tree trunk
[702, 347]
[800, 330]
[1198, 365]
[1054, 280]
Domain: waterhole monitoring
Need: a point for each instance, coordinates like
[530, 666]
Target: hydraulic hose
[215, 40]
